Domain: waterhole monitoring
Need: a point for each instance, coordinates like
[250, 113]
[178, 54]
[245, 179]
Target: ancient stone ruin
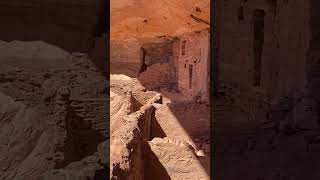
[54, 116]
[150, 144]
[159, 90]
[178, 64]
[266, 115]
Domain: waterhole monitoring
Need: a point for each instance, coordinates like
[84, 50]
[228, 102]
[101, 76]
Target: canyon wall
[134, 23]
[265, 48]
[259, 48]
[125, 57]
[140, 149]
[268, 72]
[57, 111]
[135, 116]
[72, 25]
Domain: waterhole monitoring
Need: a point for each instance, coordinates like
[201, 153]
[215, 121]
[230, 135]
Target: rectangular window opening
[183, 47]
[258, 41]
[190, 76]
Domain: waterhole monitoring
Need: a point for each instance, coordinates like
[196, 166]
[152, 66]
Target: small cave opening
[157, 65]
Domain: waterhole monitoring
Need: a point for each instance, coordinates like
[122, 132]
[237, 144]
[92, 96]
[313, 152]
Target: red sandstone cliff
[135, 22]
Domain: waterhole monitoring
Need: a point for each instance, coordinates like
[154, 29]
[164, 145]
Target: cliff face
[147, 19]
[136, 22]
[52, 105]
[68, 24]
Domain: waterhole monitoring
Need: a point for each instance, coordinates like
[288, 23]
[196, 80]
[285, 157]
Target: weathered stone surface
[157, 18]
[135, 120]
[52, 106]
[91, 167]
[177, 157]
[193, 65]
[25, 149]
[131, 28]
[138, 113]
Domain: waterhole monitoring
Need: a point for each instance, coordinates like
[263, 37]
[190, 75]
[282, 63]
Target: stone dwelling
[158, 64]
[194, 65]
[263, 47]
[258, 47]
[178, 64]
[267, 103]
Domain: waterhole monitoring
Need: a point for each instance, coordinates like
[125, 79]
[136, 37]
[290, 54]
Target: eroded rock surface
[140, 148]
[131, 28]
[177, 157]
[52, 114]
[157, 18]
[269, 138]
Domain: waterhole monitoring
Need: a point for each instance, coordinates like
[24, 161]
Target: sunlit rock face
[135, 22]
[151, 18]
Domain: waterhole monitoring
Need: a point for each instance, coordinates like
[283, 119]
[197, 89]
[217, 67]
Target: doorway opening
[143, 66]
[183, 47]
[258, 41]
[190, 76]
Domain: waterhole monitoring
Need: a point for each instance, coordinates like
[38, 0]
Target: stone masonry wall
[285, 40]
[159, 66]
[265, 46]
[196, 56]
